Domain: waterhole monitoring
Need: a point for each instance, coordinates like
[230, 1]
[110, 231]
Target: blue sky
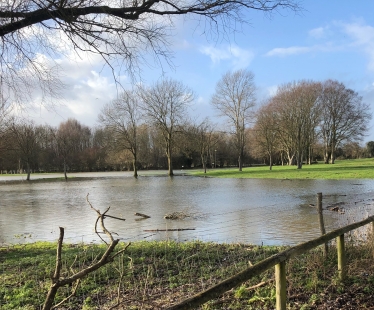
[327, 40]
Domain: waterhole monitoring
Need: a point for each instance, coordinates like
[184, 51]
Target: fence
[279, 261]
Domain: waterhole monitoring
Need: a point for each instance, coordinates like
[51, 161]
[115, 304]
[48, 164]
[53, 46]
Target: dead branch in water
[142, 215]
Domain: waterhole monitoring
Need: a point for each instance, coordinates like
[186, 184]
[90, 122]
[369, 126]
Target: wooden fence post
[341, 257]
[321, 222]
[280, 286]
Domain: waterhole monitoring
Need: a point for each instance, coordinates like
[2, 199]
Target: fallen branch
[259, 285]
[171, 229]
[142, 215]
[229, 295]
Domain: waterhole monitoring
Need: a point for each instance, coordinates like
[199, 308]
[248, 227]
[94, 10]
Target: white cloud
[363, 38]
[341, 36]
[317, 32]
[288, 51]
[87, 89]
[239, 58]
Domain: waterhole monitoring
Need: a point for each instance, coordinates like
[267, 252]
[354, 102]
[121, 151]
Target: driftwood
[142, 215]
[171, 229]
[176, 216]
[336, 207]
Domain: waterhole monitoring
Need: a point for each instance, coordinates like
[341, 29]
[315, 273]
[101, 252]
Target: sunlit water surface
[257, 211]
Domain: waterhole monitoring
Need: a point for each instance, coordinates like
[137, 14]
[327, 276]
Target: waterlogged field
[342, 169]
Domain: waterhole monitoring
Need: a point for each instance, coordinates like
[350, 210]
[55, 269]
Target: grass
[152, 275]
[342, 169]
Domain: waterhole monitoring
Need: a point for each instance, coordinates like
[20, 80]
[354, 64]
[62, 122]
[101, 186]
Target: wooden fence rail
[279, 261]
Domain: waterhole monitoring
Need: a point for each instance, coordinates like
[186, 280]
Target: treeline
[150, 128]
[307, 120]
[73, 146]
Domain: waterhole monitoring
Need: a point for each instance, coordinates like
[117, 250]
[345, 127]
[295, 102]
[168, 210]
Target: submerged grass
[152, 275]
[342, 169]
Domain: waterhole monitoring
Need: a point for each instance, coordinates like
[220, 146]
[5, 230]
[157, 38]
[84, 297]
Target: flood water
[256, 211]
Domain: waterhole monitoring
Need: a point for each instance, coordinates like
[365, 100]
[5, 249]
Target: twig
[259, 285]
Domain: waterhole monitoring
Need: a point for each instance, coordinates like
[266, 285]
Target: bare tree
[206, 141]
[344, 117]
[266, 131]
[165, 106]
[234, 98]
[116, 30]
[25, 139]
[297, 106]
[202, 140]
[370, 148]
[5, 109]
[122, 118]
[72, 138]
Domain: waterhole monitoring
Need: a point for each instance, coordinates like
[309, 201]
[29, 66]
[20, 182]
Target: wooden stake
[321, 222]
[280, 283]
[341, 257]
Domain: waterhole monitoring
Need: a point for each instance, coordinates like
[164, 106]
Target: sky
[326, 40]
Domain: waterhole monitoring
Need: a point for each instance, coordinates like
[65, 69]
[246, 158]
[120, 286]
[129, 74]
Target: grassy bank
[342, 169]
[152, 275]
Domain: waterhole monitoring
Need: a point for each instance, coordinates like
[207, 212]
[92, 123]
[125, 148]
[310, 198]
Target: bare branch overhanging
[123, 33]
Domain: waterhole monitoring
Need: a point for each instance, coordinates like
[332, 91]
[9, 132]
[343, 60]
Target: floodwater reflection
[222, 210]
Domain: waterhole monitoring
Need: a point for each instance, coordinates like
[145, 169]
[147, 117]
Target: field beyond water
[154, 275]
[342, 169]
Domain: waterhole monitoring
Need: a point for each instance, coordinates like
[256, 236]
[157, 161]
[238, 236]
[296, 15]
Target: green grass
[152, 275]
[148, 268]
[342, 169]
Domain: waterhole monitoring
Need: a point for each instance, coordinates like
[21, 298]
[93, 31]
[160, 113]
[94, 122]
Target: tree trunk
[290, 158]
[135, 166]
[310, 155]
[300, 164]
[326, 155]
[65, 168]
[240, 163]
[170, 162]
[28, 171]
[270, 162]
[204, 162]
[332, 157]
[299, 160]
